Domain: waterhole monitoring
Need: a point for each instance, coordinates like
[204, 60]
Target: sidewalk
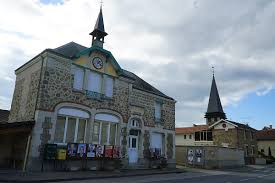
[11, 176]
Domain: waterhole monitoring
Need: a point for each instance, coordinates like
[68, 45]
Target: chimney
[270, 126]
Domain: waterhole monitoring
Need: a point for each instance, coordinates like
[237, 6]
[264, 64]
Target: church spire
[99, 30]
[214, 110]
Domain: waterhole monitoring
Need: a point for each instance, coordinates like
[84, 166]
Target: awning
[14, 127]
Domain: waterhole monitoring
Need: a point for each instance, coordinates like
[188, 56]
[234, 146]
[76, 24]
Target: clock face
[97, 62]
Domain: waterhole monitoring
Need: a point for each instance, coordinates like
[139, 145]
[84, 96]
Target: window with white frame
[135, 123]
[70, 126]
[105, 129]
[158, 106]
[94, 82]
[109, 84]
[69, 129]
[78, 78]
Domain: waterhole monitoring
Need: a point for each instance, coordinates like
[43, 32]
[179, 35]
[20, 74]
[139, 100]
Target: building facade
[219, 131]
[77, 94]
[266, 141]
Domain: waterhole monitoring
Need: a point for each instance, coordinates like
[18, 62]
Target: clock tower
[99, 33]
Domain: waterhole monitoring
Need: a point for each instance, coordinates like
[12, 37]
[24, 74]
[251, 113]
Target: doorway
[133, 149]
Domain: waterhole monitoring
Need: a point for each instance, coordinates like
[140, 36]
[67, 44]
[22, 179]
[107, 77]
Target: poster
[91, 152]
[99, 151]
[72, 150]
[50, 151]
[108, 153]
[116, 152]
[61, 154]
[81, 151]
[190, 156]
[198, 155]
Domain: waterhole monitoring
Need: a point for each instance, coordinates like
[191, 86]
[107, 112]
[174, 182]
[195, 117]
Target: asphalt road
[243, 175]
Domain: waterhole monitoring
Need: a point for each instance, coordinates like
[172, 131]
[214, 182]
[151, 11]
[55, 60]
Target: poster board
[91, 151]
[71, 150]
[50, 151]
[81, 151]
[116, 152]
[108, 152]
[99, 151]
[190, 156]
[61, 154]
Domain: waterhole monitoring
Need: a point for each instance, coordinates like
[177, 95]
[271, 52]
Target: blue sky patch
[52, 1]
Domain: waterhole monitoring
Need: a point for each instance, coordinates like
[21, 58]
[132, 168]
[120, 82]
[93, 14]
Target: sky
[170, 44]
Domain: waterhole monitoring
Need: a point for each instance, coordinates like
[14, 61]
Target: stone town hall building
[77, 94]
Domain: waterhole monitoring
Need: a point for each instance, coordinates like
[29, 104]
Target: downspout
[27, 152]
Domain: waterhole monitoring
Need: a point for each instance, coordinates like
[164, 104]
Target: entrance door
[133, 149]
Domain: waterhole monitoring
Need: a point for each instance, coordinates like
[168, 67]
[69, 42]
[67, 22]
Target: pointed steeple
[214, 109]
[99, 31]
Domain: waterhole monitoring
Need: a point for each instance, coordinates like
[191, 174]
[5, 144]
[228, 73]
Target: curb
[90, 178]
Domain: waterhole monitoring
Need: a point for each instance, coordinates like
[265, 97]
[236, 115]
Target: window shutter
[78, 78]
[94, 82]
[109, 84]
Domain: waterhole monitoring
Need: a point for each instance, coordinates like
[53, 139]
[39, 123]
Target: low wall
[209, 156]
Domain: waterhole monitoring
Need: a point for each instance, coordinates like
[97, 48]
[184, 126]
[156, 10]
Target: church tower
[214, 111]
[99, 33]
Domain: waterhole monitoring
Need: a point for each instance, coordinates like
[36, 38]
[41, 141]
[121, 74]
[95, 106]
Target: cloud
[170, 44]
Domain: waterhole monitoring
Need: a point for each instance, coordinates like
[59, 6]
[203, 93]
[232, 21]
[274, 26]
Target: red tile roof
[268, 134]
[188, 130]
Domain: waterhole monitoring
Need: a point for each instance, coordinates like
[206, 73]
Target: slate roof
[99, 22]
[241, 125]
[266, 134]
[4, 116]
[71, 49]
[140, 84]
[99, 29]
[214, 104]
[188, 130]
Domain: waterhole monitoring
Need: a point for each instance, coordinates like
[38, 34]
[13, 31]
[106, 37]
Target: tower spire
[99, 33]
[214, 109]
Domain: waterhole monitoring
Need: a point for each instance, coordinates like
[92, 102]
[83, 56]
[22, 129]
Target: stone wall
[17, 96]
[25, 92]
[248, 140]
[210, 157]
[265, 145]
[56, 87]
[146, 100]
[223, 138]
[235, 138]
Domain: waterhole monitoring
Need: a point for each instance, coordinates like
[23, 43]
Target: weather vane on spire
[101, 3]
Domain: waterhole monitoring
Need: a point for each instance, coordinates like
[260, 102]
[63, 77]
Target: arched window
[71, 125]
[135, 123]
[105, 130]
